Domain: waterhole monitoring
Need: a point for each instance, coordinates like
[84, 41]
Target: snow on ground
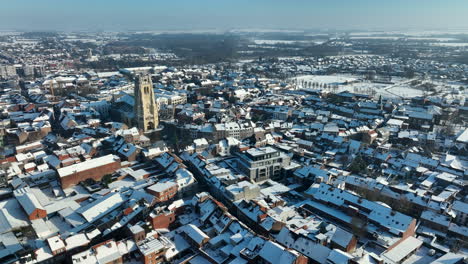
[328, 79]
[404, 37]
[406, 91]
[411, 33]
[279, 41]
[401, 87]
[273, 41]
[432, 38]
[376, 37]
[451, 44]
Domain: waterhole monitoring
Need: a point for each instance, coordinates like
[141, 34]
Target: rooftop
[87, 165]
[402, 250]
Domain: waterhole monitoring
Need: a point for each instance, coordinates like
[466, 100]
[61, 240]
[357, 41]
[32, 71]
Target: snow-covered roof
[460, 207]
[86, 165]
[28, 200]
[76, 241]
[100, 207]
[463, 137]
[450, 258]
[396, 222]
[161, 186]
[276, 254]
[195, 233]
[55, 243]
[342, 237]
[402, 250]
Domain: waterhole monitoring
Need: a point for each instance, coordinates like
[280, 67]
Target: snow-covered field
[376, 37]
[328, 79]
[279, 41]
[356, 84]
[273, 41]
[406, 91]
[405, 37]
[432, 38]
[451, 44]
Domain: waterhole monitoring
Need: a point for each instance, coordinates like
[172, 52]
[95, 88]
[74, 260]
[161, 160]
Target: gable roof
[28, 200]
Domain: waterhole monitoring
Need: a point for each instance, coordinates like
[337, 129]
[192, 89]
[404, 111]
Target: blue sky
[232, 14]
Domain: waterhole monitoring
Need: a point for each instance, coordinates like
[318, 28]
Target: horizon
[210, 15]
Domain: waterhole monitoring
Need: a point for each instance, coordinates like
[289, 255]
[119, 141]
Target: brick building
[91, 169]
[138, 233]
[56, 245]
[153, 249]
[30, 203]
[163, 191]
[162, 220]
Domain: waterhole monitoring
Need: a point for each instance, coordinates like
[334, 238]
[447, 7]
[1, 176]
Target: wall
[94, 173]
[163, 220]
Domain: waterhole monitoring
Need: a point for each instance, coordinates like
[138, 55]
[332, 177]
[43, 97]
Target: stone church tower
[146, 109]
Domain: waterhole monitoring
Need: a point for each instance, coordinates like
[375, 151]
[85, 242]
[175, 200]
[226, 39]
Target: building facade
[146, 109]
[261, 164]
[91, 169]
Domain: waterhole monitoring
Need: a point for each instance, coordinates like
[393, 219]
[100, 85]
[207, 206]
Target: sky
[187, 15]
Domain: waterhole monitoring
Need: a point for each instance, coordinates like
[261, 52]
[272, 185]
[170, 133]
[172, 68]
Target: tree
[343, 159]
[106, 179]
[359, 165]
[176, 141]
[358, 226]
[232, 99]
[409, 72]
[257, 117]
[323, 228]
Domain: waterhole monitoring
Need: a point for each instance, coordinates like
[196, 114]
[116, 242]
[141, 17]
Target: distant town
[240, 147]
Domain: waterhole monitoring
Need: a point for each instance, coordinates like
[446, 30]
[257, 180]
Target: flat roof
[136, 229]
[261, 151]
[55, 243]
[161, 186]
[151, 245]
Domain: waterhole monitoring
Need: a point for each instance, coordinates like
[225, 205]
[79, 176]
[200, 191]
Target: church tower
[146, 109]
